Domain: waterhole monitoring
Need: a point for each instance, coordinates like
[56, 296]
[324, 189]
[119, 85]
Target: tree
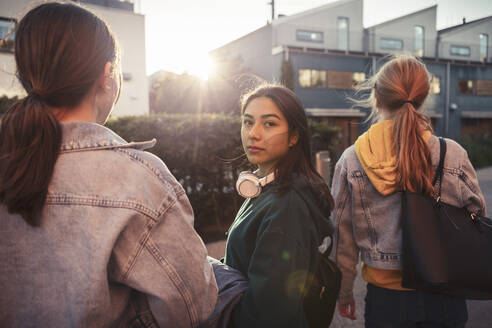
[287, 74]
[6, 103]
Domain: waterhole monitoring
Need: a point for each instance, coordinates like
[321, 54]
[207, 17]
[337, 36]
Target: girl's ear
[293, 139]
[104, 79]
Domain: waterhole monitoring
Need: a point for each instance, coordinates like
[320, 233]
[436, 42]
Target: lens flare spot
[286, 256]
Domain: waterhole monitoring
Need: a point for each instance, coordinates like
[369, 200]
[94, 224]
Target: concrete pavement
[479, 312]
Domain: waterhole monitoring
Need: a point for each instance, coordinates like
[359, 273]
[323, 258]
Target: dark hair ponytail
[60, 52]
[31, 137]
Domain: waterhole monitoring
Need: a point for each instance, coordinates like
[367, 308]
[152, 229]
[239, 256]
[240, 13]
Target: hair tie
[410, 102]
[35, 94]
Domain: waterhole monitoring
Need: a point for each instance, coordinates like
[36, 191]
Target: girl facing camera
[275, 236]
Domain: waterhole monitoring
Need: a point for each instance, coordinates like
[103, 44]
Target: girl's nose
[255, 132]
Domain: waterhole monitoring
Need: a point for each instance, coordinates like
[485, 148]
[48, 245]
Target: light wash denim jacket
[116, 246]
[368, 223]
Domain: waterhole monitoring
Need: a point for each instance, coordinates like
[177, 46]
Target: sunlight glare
[200, 66]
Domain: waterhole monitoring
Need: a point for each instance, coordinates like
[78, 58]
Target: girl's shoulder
[293, 211]
[455, 153]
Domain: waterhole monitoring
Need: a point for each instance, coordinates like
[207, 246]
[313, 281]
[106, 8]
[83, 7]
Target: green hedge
[198, 149]
[479, 148]
[6, 103]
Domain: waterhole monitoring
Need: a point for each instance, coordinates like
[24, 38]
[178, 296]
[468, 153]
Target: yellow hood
[373, 148]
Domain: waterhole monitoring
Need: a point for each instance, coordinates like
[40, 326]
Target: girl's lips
[254, 149]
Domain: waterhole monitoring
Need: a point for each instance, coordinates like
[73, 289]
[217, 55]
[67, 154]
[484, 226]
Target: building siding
[129, 29]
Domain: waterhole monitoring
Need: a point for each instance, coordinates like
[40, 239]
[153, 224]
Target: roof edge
[400, 17]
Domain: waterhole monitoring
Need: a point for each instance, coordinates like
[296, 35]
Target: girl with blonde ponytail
[399, 152]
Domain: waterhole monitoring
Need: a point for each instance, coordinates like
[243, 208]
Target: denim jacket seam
[176, 279]
[464, 178]
[133, 259]
[359, 175]
[339, 217]
[145, 237]
[56, 199]
[151, 168]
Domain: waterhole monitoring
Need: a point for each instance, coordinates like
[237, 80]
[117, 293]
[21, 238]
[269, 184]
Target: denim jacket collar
[86, 136]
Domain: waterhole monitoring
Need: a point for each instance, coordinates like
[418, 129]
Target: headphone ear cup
[248, 185]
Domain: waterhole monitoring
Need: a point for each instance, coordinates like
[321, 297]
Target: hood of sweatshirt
[375, 153]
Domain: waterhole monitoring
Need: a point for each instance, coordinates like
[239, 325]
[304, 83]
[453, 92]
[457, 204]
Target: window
[475, 87]
[7, 34]
[309, 36]
[312, 78]
[358, 77]
[343, 31]
[484, 44]
[435, 85]
[465, 87]
[483, 88]
[418, 41]
[392, 44]
[459, 50]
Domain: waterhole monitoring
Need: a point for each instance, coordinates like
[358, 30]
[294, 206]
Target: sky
[180, 33]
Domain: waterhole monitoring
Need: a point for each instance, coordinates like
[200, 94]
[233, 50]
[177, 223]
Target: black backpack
[321, 298]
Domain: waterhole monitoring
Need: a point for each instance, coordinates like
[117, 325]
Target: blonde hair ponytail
[400, 88]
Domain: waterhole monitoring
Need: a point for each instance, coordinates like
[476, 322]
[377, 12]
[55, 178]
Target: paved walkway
[479, 312]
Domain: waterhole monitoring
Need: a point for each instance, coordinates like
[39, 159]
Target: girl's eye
[247, 123]
[269, 124]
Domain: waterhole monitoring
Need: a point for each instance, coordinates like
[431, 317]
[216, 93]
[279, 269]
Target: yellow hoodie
[378, 160]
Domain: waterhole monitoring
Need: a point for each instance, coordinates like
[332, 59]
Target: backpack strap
[440, 167]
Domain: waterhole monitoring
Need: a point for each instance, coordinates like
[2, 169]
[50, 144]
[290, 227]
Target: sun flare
[199, 65]
[203, 67]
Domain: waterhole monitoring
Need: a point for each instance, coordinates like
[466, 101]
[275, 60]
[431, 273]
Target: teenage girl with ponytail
[397, 153]
[94, 232]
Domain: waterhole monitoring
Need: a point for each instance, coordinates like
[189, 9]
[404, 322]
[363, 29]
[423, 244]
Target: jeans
[395, 308]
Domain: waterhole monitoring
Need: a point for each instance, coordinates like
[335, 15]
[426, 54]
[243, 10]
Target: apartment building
[126, 24]
[330, 51]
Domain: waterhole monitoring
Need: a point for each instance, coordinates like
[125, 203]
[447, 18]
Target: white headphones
[249, 185]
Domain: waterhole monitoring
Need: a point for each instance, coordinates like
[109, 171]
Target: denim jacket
[116, 245]
[368, 223]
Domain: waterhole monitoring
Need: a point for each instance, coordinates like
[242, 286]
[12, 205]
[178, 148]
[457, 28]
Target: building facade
[129, 29]
[330, 51]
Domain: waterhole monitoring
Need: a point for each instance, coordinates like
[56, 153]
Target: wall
[129, 29]
[467, 35]
[323, 19]
[255, 51]
[402, 28]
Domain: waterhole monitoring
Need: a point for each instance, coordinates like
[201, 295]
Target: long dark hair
[60, 51]
[298, 160]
